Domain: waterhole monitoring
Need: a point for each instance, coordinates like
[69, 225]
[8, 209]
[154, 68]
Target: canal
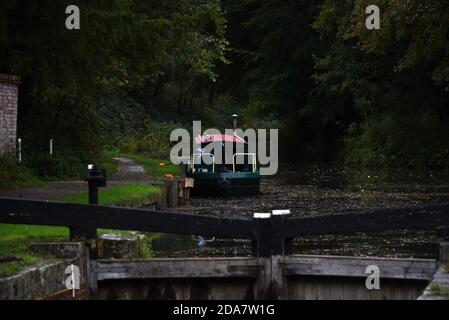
[320, 190]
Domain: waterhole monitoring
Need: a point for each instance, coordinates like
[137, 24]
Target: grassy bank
[135, 196]
[15, 239]
[15, 175]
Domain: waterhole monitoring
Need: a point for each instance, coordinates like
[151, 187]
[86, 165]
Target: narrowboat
[225, 178]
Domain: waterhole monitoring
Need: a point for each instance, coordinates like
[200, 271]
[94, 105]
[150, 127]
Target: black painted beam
[423, 217]
[18, 211]
[270, 236]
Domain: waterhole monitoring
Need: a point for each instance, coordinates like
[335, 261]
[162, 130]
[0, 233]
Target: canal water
[318, 191]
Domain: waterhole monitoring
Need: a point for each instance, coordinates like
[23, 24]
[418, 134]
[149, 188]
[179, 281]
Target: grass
[16, 175]
[436, 290]
[153, 166]
[15, 240]
[136, 196]
[108, 163]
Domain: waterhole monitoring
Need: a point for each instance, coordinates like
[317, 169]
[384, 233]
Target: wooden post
[271, 249]
[444, 252]
[264, 242]
[20, 150]
[271, 241]
[181, 188]
[172, 193]
[443, 232]
[184, 186]
[91, 270]
[263, 281]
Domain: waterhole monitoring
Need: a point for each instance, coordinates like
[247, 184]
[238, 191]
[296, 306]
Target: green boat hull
[225, 184]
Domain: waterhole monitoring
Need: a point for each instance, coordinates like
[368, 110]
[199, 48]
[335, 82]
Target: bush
[61, 166]
[70, 155]
[156, 143]
[413, 141]
[16, 175]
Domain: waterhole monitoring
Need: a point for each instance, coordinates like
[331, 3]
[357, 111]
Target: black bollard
[93, 192]
[96, 178]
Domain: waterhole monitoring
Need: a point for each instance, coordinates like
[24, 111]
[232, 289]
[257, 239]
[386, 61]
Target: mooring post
[96, 178]
[172, 187]
[93, 192]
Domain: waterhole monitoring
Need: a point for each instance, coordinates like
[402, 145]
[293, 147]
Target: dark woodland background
[137, 69]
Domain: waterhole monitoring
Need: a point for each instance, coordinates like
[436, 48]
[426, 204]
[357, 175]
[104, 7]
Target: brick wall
[9, 90]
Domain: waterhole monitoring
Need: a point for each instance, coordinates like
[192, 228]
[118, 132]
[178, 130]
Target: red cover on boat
[219, 138]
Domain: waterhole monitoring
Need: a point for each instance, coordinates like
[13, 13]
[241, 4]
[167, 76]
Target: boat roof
[219, 138]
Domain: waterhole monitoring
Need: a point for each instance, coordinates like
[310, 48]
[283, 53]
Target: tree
[123, 48]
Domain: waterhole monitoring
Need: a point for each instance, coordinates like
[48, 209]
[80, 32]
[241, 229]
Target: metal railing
[201, 156]
[253, 162]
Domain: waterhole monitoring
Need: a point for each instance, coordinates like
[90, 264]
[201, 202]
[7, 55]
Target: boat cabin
[228, 176]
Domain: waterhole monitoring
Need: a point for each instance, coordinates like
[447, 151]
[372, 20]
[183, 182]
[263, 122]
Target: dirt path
[128, 173]
[129, 170]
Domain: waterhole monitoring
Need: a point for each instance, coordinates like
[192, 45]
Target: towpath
[128, 173]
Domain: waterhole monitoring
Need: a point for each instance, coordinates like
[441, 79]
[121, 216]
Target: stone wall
[9, 90]
[47, 278]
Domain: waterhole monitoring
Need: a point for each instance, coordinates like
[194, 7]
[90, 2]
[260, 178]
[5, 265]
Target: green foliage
[337, 88]
[16, 249]
[15, 240]
[83, 87]
[417, 30]
[16, 175]
[398, 143]
[438, 291]
[21, 232]
[155, 142]
[60, 166]
[108, 163]
[309, 67]
[390, 78]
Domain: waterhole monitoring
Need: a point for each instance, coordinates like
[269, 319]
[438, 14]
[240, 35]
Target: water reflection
[173, 246]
